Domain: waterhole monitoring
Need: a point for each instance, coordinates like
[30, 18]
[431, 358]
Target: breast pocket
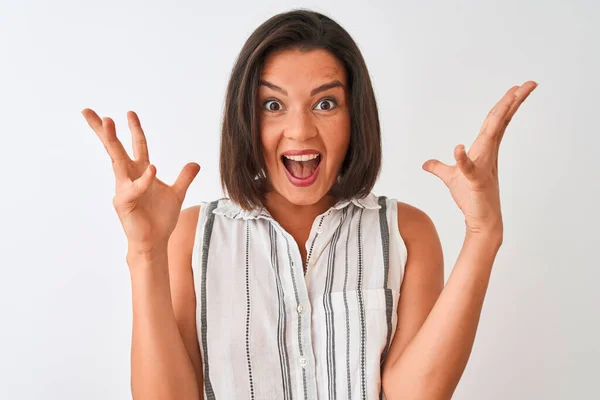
[371, 313]
[359, 313]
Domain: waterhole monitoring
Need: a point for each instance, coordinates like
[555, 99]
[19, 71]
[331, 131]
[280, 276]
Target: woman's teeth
[303, 157]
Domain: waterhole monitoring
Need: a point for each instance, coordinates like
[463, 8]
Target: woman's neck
[296, 219]
[287, 213]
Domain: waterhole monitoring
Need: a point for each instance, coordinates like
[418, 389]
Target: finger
[464, 163]
[118, 154]
[140, 145]
[92, 119]
[520, 95]
[485, 147]
[185, 178]
[495, 118]
[439, 169]
[141, 184]
[113, 146]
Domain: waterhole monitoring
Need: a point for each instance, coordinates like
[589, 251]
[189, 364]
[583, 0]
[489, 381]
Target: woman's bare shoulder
[414, 222]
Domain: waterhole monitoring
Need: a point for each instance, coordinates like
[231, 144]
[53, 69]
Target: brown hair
[242, 164]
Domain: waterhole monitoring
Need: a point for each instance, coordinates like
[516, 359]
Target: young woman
[302, 284]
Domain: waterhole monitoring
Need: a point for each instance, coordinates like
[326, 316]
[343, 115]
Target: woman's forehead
[293, 67]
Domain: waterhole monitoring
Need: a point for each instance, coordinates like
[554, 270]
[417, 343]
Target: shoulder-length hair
[242, 165]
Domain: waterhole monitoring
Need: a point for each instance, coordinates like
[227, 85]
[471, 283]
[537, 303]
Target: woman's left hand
[473, 181]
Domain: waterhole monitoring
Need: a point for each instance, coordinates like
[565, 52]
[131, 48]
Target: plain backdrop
[437, 69]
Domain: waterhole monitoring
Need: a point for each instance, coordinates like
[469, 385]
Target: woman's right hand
[147, 207]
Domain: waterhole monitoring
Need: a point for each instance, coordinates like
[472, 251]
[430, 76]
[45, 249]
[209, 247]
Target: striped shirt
[269, 330]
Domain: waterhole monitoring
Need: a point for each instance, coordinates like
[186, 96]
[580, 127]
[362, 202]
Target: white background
[437, 68]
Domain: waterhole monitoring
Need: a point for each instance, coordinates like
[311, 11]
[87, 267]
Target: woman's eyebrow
[272, 86]
[326, 86]
[316, 90]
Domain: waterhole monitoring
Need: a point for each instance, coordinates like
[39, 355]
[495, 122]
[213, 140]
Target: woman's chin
[309, 197]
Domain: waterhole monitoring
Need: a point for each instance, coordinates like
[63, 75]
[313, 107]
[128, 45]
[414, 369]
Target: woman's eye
[273, 105]
[327, 104]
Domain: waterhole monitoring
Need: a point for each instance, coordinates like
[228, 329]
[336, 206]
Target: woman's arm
[422, 282]
[165, 360]
[160, 241]
[430, 365]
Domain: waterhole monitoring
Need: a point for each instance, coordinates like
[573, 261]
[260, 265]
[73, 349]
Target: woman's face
[304, 122]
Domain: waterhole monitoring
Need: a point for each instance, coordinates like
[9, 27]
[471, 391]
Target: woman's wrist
[490, 240]
[143, 258]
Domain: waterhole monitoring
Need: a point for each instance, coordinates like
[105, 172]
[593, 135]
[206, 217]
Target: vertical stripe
[304, 383]
[361, 307]
[347, 311]
[284, 362]
[248, 313]
[208, 227]
[312, 245]
[329, 317]
[291, 262]
[385, 252]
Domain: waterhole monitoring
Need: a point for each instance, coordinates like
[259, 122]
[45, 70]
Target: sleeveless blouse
[269, 330]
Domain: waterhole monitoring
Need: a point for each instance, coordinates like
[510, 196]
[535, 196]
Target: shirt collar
[230, 209]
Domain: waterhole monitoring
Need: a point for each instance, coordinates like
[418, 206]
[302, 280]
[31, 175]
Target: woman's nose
[300, 126]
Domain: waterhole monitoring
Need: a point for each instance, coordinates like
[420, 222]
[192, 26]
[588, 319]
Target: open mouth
[302, 169]
[301, 166]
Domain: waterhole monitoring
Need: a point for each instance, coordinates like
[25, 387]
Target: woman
[220, 306]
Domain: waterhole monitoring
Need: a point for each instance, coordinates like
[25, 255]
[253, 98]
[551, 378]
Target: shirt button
[301, 308]
[303, 361]
[319, 230]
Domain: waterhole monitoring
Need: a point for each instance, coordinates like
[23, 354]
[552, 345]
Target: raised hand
[147, 207]
[473, 181]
